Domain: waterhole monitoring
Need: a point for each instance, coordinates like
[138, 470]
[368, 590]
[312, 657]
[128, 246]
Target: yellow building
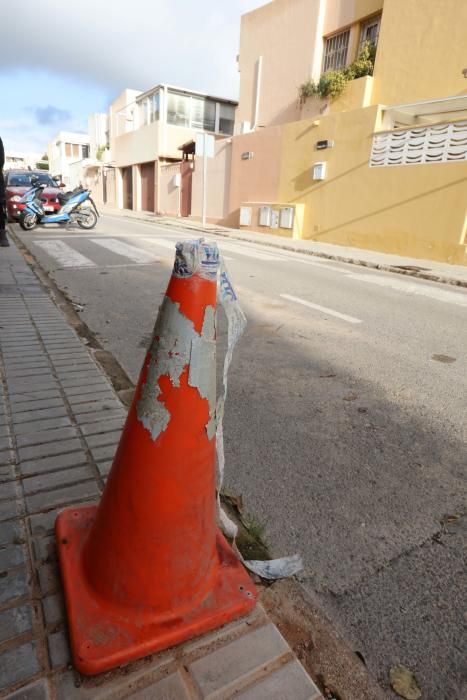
[381, 166]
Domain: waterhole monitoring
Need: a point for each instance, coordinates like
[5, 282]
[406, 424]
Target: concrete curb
[232, 233]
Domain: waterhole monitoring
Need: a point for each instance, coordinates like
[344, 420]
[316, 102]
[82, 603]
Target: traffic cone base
[104, 635]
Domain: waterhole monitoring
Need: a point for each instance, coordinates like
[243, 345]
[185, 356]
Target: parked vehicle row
[35, 198]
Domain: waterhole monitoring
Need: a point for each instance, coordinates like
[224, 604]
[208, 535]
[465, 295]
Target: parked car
[17, 182]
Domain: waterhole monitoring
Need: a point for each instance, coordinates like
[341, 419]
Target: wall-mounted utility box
[319, 171]
[274, 218]
[177, 180]
[286, 217]
[265, 216]
[245, 216]
[247, 155]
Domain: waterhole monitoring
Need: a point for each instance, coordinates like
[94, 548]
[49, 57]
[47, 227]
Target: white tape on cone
[236, 324]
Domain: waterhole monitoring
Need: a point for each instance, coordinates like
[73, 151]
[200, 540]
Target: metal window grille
[369, 32]
[335, 51]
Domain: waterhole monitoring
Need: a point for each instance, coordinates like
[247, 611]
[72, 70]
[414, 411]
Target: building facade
[150, 134]
[380, 162]
[66, 148]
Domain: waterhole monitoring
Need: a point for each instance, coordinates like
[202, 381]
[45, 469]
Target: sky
[62, 61]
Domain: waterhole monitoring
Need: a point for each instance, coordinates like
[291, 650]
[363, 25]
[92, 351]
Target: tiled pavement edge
[60, 422]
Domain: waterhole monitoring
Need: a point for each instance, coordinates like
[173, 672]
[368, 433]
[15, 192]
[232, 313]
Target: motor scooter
[78, 207]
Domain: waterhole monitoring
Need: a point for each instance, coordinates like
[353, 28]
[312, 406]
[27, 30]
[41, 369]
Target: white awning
[428, 111]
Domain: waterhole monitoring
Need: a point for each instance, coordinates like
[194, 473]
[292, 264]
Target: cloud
[116, 45]
[52, 115]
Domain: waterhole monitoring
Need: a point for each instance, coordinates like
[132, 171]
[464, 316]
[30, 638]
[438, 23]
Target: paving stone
[51, 480]
[42, 437]
[172, 687]
[10, 510]
[55, 409]
[89, 389]
[50, 399]
[5, 443]
[102, 454]
[65, 366]
[36, 691]
[18, 664]
[70, 494]
[14, 622]
[118, 685]
[104, 468]
[84, 376]
[232, 664]
[96, 407]
[42, 524]
[4, 431]
[36, 425]
[54, 609]
[11, 532]
[59, 651]
[6, 456]
[13, 585]
[103, 396]
[43, 371]
[12, 556]
[49, 578]
[49, 464]
[103, 426]
[289, 681]
[97, 417]
[31, 384]
[49, 449]
[45, 549]
[9, 490]
[104, 439]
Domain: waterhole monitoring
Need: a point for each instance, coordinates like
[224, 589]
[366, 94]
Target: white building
[17, 159]
[67, 147]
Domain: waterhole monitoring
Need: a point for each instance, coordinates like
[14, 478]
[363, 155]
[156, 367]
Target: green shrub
[333, 83]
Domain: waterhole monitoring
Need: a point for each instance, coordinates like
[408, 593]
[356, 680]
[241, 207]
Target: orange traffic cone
[147, 568]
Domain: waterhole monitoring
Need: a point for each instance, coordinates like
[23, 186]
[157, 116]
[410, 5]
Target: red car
[17, 182]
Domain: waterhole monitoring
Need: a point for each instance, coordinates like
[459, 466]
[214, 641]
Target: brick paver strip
[290, 681]
[15, 622]
[59, 428]
[242, 659]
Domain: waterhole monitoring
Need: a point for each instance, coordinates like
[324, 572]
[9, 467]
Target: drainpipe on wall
[317, 59]
[259, 65]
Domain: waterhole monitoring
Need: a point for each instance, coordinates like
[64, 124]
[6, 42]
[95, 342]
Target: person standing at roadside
[3, 237]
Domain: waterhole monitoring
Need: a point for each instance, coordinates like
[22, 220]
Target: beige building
[151, 131]
[371, 155]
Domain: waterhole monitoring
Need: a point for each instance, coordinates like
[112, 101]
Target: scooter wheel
[28, 221]
[89, 219]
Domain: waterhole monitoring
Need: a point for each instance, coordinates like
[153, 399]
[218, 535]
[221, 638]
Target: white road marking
[418, 288]
[64, 254]
[323, 309]
[249, 252]
[138, 255]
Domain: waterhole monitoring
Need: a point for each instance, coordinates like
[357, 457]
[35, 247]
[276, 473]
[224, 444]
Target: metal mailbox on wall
[286, 217]
[245, 216]
[274, 218]
[265, 216]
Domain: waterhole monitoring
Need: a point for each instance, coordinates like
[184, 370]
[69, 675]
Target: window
[178, 109]
[335, 51]
[85, 151]
[203, 114]
[148, 109]
[226, 118]
[72, 150]
[369, 31]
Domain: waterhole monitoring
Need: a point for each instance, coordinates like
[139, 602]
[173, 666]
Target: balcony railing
[438, 143]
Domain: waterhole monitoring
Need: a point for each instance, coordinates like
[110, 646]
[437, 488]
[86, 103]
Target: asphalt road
[345, 425]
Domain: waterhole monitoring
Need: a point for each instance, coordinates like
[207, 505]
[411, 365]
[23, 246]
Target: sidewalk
[60, 422]
[415, 267]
